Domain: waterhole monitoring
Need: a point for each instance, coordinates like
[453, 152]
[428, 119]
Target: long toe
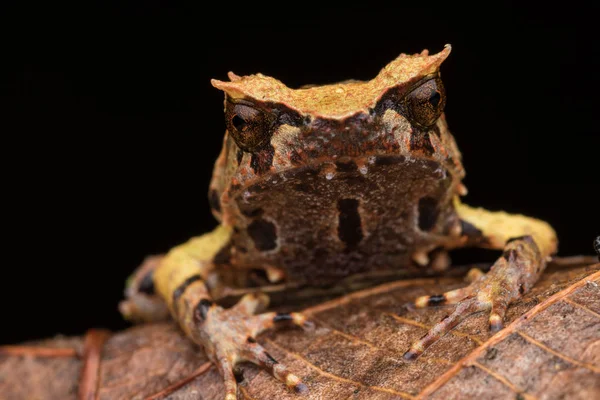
[259, 356]
[464, 309]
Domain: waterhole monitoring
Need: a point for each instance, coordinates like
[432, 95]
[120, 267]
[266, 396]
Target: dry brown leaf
[549, 349]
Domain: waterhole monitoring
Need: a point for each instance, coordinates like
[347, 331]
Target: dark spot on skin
[181, 289]
[435, 300]
[436, 130]
[521, 289]
[271, 359]
[281, 317]
[177, 293]
[252, 213]
[239, 156]
[519, 397]
[202, 309]
[147, 284]
[389, 160]
[270, 363]
[510, 255]
[262, 160]
[264, 234]
[346, 165]
[469, 229]
[349, 223]
[238, 374]
[428, 213]
[356, 391]
[214, 201]
[250, 339]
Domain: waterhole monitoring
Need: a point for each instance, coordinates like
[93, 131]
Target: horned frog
[320, 183]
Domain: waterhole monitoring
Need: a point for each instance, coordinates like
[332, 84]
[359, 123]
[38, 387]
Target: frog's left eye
[425, 103]
[249, 127]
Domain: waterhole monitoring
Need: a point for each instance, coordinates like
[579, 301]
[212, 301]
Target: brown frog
[320, 183]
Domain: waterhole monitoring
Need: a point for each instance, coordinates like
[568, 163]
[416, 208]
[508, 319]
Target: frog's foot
[510, 277]
[228, 336]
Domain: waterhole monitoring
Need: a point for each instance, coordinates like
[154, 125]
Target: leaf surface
[550, 348]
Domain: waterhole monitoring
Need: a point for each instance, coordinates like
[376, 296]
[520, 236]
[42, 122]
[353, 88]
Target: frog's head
[271, 128]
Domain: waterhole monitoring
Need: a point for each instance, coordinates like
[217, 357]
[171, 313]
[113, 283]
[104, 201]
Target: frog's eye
[249, 126]
[425, 103]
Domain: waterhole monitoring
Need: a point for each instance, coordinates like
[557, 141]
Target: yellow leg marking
[404, 395]
[557, 354]
[188, 259]
[499, 227]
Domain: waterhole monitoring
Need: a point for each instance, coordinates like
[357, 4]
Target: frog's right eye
[249, 127]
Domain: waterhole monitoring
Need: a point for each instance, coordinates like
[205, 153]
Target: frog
[319, 183]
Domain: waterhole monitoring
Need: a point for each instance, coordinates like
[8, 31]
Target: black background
[111, 127]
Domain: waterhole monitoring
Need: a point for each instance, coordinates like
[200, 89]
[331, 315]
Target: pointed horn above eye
[233, 77]
[257, 86]
[228, 87]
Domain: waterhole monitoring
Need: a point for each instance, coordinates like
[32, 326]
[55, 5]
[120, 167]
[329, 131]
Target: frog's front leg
[528, 244]
[227, 335]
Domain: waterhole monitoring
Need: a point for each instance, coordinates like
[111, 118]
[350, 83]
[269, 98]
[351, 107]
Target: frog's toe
[256, 354]
[450, 297]
[510, 277]
[464, 308]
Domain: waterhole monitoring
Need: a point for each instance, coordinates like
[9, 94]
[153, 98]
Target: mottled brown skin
[314, 185]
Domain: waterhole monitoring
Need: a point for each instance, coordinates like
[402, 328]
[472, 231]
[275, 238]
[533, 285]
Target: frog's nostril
[349, 223]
